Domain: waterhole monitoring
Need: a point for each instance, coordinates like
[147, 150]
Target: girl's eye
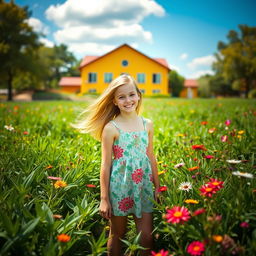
[121, 97]
[132, 94]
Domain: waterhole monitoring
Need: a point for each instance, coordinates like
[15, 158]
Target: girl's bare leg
[117, 230]
[145, 226]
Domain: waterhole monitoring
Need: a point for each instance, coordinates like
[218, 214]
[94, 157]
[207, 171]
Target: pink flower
[207, 190]
[125, 204]
[195, 248]
[209, 156]
[244, 224]
[160, 253]
[216, 184]
[177, 214]
[224, 138]
[118, 151]
[227, 122]
[199, 211]
[137, 176]
[53, 178]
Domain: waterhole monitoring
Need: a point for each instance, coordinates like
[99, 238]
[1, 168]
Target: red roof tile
[70, 81]
[190, 83]
[162, 61]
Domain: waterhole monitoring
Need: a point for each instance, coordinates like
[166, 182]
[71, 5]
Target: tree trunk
[10, 78]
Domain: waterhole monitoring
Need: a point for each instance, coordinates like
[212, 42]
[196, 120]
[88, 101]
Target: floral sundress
[131, 189]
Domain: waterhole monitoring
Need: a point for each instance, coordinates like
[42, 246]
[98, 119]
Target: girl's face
[126, 98]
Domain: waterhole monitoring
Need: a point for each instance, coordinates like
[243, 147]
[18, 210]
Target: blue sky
[184, 32]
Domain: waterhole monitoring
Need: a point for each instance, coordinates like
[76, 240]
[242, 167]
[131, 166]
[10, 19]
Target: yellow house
[151, 74]
[190, 89]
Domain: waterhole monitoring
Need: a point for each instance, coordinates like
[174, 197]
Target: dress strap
[114, 123]
[144, 123]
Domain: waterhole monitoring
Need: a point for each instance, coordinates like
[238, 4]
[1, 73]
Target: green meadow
[50, 178]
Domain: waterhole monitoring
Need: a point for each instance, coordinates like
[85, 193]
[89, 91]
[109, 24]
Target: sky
[184, 32]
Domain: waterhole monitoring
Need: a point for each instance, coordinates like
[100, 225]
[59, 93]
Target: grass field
[50, 179]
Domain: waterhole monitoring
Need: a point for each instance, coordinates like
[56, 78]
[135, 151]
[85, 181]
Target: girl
[126, 178]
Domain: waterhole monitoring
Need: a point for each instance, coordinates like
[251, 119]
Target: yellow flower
[192, 111]
[180, 135]
[241, 132]
[191, 201]
[162, 172]
[60, 184]
[217, 238]
[107, 228]
[239, 136]
[160, 162]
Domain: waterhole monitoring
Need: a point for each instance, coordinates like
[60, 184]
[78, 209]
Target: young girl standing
[128, 166]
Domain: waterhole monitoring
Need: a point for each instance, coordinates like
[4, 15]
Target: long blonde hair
[93, 119]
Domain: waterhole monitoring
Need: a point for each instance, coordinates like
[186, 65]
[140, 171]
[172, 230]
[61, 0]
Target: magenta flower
[244, 224]
[224, 138]
[209, 156]
[227, 122]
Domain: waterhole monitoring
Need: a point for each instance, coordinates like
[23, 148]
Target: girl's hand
[105, 209]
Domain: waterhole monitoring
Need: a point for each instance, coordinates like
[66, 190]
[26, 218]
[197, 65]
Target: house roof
[190, 83]
[89, 59]
[70, 81]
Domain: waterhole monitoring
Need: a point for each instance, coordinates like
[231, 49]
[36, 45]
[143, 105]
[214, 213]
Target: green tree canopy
[18, 42]
[236, 60]
[176, 82]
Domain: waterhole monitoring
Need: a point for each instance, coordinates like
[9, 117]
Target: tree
[204, 86]
[176, 83]
[18, 42]
[236, 60]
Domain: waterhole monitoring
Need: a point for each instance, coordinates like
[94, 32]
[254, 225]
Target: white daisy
[243, 174]
[9, 127]
[186, 186]
[179, 165]
[233, 161]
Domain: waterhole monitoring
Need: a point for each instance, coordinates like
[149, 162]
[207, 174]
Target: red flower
[198, 147]
[199, 211]
[25, 133]
[63, 238]
[161, 253]
[195, 248]
[207, 190]
[204, 122]
[209, 156]
[227, 122]
[125, 204]
[90, 186]
[118, 152]
[162, 188]
[216, 184]
[177, 214]
[193, 168]
[244, 224]
[137, 176]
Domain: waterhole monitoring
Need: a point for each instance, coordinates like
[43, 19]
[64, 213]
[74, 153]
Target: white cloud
[173, 67]
[46, 42]
[200, 73]
[102, 24]
[38, 26]
[183, 56]
[202, 61]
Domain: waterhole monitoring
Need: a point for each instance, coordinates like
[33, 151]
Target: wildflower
[177, 214]
[193, 168]
[186, 186]
[191, 201]
[181, 135]
[198, 147]
[162, 172]
[53, 178]
[233, 161]
[211, 130]
[216, 184]
[199, 212]
[195, 248]
[204, 123]
[214, 218]
[208, 156]
[217, 238]
[60, 184]
[208, 191]
[162, 188]
[179, 165]
[25, 132]
[90, 186]
[244, 224]
[243, 174]
[63, 238]
[241, 132]
[9, 127]
[49, 167]
[57, 216]
[224, 138]
[227, 122]
[160, 253]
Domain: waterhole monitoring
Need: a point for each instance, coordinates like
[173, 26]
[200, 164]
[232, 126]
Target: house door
[189, 93]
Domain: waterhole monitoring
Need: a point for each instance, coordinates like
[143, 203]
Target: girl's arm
[151, 155]
[107, 141]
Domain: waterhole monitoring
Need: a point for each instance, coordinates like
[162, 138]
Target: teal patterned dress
[131, 189]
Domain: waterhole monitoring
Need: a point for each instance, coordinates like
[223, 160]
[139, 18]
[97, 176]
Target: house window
[92, 77]
[141, 78]
[125, 63]
[142, 91]
[108, 77]
[156, 78]
[92, 90]
[155, 91]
